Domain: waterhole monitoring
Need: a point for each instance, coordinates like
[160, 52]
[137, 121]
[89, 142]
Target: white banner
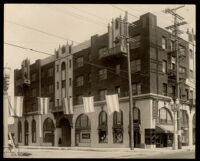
[44, 103]
[112, 103]
[88, 103]
[18, 105]
[67, 106]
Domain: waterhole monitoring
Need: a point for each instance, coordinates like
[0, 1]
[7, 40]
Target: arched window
[83, 128]
[118, 127]
[33, 125]
[26, 131]
[165, 116]
[136, 115]
[63, 76]
[118, 118]
[19, 132]
[48, 131]
[184, 127]
[103, 127]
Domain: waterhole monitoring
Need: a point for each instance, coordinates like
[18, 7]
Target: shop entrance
[65, 132]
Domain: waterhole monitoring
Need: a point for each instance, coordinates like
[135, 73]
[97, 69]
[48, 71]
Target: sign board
[86, 136]
[155, 109]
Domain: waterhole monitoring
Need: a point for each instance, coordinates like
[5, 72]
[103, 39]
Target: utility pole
[130, 84]
[175, 33]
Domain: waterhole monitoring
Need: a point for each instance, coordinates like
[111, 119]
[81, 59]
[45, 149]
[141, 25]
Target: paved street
[49, 153]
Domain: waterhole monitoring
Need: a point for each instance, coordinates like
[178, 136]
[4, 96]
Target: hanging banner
[88, 103]
[112, 103]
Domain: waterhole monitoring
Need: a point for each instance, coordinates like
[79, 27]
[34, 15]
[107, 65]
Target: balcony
[171, 74]
[57, 109]
[116, 51]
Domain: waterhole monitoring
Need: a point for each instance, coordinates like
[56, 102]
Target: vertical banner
[88, 104]
[67, 106]
[18, 105]
[112, 103]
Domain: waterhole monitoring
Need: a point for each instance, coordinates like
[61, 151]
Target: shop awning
[164, 129]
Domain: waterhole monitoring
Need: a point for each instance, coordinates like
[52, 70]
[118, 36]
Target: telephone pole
[175, 33]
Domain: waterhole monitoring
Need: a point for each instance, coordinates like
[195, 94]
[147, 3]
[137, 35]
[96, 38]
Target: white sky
[77, 22]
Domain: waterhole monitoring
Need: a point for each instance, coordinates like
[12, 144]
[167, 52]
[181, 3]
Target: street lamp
[175, 107]
[6, 77]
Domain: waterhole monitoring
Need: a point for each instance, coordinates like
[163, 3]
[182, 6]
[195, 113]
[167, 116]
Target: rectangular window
[164, 43]
[50, 88]
[182, 50]
[117, 68]
[187, 93]
[79, 62]
[164, 66]
[33, 77]
[57, 84]
[89, 57]
[89, 77]
[102, 94]
[136, 43]
[117, 90]
[164, 89]
[173, 91]
[33, 91]
[70, 81]
[136, 65]
[182, 71]
[70, 63]
[79, 99]
[191, 74]
[57, 102]
[102, 74]
[50, 72]
[191, 94]
[50, 104]
[63, 83]
[172, 45]
[57, 68]
[79, 81]
[136, 88]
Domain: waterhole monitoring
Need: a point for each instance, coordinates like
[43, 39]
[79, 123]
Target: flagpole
[130, 86]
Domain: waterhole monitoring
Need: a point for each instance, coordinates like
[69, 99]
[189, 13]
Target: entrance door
[136, 138]
[66, 132]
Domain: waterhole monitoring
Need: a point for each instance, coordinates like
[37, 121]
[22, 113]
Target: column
[175, 132]
[190, 131]
[40, 130]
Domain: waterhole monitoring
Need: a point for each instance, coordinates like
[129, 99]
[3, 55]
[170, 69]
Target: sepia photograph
[99, 81]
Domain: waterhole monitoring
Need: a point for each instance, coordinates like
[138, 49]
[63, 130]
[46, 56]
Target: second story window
[136, 65]
[89, 77]
[117, 68]
[79, 81]
[164, 66]
[136, 43]
[102, 94]
[117, 90]
[164, 89]
[50, 72]
[164, 43]
[136, 88]
[102, 74]
[79, 62]
[51, 88]
[79, 99]
[187, 93]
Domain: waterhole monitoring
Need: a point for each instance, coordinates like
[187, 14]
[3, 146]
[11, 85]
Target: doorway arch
[65, 139]
[48, 131]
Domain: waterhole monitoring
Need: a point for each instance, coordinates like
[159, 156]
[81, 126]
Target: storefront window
[83, 128]
[165, 116]
[48, 131]
[103, 138]
[118, 127]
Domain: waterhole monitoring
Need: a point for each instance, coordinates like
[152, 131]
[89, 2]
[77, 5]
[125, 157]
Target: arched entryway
[26, 132]
[48, 131]
[184, 121]
[136, 124]
[82, 131]
[194, 128]
[65, 139]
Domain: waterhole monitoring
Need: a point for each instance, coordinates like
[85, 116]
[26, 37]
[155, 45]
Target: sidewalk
[48, 148]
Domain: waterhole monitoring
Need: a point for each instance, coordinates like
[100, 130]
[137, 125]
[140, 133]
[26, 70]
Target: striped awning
[164, 129]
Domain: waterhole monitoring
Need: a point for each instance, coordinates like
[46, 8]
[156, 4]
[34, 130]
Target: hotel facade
[98, 67]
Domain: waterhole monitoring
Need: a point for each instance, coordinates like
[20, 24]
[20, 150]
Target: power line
[123, 10]
[44, 32]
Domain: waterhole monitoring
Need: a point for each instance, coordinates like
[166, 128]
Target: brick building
[98, 67]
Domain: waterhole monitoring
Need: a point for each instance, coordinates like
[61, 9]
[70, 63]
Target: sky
[67, 22]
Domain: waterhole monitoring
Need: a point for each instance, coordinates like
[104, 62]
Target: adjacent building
[98, 67]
